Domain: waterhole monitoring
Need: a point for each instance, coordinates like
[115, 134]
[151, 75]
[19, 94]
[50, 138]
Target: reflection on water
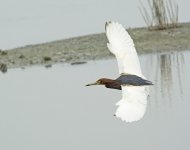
[167, 73]
[51, 108]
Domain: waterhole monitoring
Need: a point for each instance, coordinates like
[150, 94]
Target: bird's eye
[98, 81]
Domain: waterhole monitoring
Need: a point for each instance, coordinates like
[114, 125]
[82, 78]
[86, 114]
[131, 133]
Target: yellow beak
[96, 83]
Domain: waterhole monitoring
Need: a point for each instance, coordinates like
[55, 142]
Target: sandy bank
[90, 47]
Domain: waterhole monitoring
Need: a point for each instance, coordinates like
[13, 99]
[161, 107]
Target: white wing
[122, 46]
[132, 106]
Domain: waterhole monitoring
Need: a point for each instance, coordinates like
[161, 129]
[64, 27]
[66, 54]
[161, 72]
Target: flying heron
[131, 81]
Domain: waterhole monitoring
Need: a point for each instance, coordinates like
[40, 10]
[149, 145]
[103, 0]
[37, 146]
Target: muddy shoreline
[92, 47]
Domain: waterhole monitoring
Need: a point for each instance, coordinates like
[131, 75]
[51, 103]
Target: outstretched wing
[122, 46]
[133, 104]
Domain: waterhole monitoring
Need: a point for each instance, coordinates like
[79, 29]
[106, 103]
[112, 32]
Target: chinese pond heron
[131, 81]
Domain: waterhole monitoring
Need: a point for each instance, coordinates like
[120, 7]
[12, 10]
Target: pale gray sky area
[24, 22]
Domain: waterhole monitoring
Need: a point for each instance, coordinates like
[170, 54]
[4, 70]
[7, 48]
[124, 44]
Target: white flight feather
[132, 106]
[122, 46]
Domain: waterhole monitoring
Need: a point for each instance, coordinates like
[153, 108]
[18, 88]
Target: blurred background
[25, 22]
[47, 108]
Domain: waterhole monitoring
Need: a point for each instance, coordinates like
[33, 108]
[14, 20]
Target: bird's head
[101, 81]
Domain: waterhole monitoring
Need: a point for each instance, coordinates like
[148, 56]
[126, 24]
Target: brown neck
[110, 83]
[105, 81]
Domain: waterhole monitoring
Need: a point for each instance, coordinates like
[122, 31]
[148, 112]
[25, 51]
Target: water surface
[45, 109]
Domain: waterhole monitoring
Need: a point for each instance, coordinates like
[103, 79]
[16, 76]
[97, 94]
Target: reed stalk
[160, 14]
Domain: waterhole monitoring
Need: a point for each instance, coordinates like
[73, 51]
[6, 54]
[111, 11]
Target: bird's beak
[96, 83]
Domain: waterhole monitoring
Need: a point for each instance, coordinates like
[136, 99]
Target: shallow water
[45, 109]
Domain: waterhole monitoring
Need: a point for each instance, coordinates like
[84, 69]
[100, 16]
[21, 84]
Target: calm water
[24, 22]
[45, 109]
